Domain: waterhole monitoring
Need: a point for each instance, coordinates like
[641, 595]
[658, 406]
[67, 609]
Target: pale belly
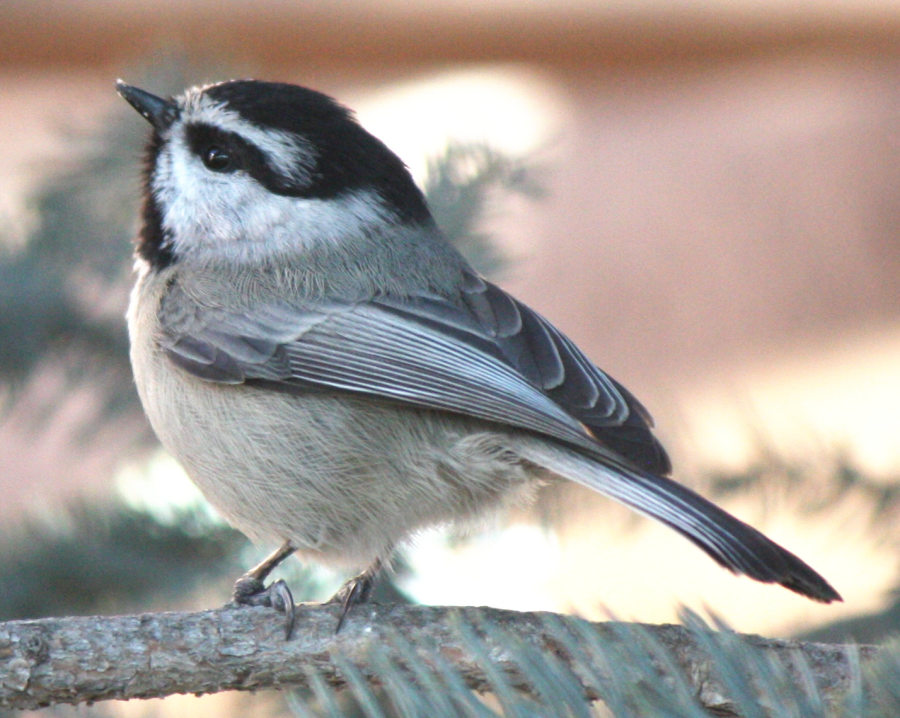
[343, 478]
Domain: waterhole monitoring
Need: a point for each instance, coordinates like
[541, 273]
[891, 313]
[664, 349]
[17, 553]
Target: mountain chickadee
[332, 373]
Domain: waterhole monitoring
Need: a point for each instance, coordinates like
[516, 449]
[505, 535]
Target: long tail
[732, 543]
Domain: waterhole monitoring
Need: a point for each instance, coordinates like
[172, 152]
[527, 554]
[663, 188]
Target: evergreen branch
[422, 655]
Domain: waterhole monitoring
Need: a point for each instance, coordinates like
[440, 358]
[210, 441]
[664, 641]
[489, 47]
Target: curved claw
[250, 591]
[357, 590]
[353, 592]
[283, 600]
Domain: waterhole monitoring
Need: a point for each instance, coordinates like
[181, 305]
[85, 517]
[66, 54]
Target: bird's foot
[356, 591]
[250, 591]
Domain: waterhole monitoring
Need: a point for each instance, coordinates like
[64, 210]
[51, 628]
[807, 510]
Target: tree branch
[80, 659]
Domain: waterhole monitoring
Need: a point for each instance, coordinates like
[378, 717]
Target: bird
[334, 375]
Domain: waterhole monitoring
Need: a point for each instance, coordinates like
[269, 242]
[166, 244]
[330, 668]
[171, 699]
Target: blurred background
[704, 196]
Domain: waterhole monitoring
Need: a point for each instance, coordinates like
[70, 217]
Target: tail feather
[730, 542]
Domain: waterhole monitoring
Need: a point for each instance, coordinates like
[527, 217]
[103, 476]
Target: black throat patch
[153, 243]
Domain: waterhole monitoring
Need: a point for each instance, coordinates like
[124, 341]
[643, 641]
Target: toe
[246, 591]
[250, 591]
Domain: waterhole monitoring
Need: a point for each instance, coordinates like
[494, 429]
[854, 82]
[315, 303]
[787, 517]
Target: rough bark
[85, 659]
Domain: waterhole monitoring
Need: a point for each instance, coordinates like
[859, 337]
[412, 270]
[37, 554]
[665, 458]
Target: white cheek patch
[232, 215]
[289, 154]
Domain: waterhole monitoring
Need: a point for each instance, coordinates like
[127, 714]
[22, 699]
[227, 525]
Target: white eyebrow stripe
[289, 154]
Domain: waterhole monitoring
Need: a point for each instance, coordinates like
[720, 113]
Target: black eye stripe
[245, 156]
[346, 157]
[202, 138]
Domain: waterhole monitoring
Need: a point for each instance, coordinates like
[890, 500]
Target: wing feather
[483, 354]
[486, 356]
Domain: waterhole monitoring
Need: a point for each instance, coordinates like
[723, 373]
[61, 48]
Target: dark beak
[158, 112]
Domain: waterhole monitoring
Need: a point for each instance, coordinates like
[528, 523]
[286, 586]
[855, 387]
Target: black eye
[218, 159]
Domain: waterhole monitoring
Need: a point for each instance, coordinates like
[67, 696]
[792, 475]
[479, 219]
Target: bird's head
[249, 169]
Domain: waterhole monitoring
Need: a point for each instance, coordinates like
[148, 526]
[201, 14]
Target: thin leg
[261, 571]
[250, 589]
[356, 591]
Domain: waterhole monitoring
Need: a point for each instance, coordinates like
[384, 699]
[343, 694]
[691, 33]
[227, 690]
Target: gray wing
[483, 354]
